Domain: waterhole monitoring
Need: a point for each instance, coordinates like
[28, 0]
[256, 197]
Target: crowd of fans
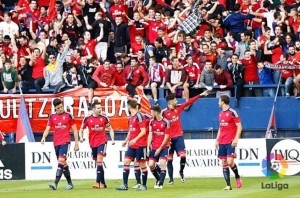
[195, 44]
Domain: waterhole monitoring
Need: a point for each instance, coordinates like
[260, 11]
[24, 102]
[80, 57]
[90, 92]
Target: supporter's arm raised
[61, 24]
[266, 51]
[33, 35]
[44, 52]
[108, 15]
[88, 26]
[213, 9]
[175, 38]
[148, 6]
[79, 24]
[101, 32]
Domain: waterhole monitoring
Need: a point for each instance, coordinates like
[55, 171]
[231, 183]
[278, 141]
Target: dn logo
[41, 158]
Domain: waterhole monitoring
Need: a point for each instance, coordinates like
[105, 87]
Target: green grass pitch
[193, 187]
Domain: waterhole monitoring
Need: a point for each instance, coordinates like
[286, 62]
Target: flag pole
[272, 114]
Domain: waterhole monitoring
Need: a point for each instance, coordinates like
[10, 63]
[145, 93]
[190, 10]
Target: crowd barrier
[36, 161]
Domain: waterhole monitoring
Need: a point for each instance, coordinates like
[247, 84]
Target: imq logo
[286, 151]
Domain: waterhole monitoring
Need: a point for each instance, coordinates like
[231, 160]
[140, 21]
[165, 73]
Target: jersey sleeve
[235, 116]
[140, 119]
[84, 123]
[107, 123]
[50, 121]
[71, 120]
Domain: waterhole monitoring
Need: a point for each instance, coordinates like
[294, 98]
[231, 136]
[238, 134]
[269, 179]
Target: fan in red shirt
[3, 142]
[137, 44]
[37, 61]
[159, 142]
[103, 77]
[89, 45]
[173, 113]
[250, 74]
[62, 122]
[153, 25]
[136, 27]
[119, 76]
[135, 76]
[193, 76]
[97, 124]
[118, 8]
[135, 150]
[230, 129]
[287, 75]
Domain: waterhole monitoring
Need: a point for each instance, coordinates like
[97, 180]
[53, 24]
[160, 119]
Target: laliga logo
[278, 164]
[284, 159]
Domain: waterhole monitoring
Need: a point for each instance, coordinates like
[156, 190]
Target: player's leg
[153, 166]
[66, 171]
[94, 154]
[141, 158]
[186, 91]
[180, 149]
[101, 153]
[61, 153]
[233, 166]
[222, 154]
[59, 170]
[91, 86]
[163, 156]
[129, 157]
[154, 92]
[170, 162]
[137, 173]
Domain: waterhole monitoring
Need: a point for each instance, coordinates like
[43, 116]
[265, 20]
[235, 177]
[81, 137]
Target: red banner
[39, 107]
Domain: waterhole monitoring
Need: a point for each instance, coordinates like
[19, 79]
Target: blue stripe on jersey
[234, 112]
[139, 116]
[107, 120]
[167, 122]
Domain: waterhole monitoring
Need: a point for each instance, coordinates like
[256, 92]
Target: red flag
[161, 2]
[272, 128]
[51, 11]
[24, 131]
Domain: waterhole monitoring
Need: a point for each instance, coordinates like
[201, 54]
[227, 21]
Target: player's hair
[139, 106]
[225, 99]
[95, 104]
[134, 58]
[170, 97]
[56, 102]
[207, 61]
[218, 67]
[132, 103]
[106, 60]
[188, 56]
[156, 108]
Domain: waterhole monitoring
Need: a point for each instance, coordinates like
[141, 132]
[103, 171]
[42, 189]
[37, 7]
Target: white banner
[202, 161]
